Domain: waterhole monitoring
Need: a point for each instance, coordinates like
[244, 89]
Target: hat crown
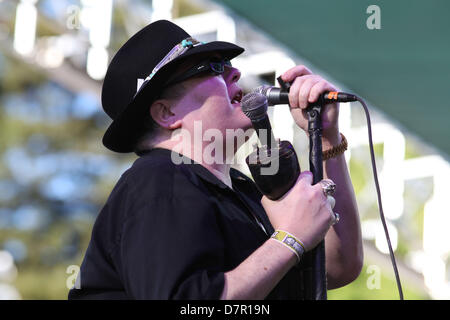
[135, 60]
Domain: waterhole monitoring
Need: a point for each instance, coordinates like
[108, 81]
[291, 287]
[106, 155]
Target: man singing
[200, 229]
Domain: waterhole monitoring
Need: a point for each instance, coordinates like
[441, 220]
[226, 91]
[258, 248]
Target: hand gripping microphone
[277, 95]
[274, 166]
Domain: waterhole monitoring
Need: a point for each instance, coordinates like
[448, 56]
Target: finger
[319, 189]
[306, 177]
[305, 91]
[319, 88]
[333, 218]
[265, 200]
[295, 72]
[331, 201]
[294, 90]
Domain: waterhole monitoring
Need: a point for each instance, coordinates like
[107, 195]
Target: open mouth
[237, 98]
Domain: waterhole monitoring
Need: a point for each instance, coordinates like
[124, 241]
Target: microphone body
[274, 166]
[277, 95]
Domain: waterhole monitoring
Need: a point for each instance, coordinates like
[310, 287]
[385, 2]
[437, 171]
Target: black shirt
[170, 231]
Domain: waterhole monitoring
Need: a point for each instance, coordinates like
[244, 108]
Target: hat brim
[123, 133]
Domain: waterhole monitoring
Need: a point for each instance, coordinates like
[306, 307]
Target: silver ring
[331, 201]
[328, 187]
[336, 218]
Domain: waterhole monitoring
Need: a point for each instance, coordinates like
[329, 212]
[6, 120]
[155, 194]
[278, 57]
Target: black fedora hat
[130, 84]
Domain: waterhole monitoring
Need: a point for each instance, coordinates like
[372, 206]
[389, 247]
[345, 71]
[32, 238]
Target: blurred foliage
[19, 76]
[387, 290]
[54, 176]
[184, 8]
[43, 275]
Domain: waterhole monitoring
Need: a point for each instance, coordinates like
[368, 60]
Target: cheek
[211, 114]
[214, 108]
[211, 86]
[244, 121]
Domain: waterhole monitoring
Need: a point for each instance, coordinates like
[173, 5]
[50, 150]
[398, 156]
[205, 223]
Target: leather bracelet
[337, 150]
[289, 241]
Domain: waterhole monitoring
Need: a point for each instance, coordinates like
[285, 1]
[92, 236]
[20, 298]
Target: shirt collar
[223, 177]
[197, 168]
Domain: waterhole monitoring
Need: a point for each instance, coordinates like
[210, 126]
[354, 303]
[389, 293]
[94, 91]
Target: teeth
[236, 99]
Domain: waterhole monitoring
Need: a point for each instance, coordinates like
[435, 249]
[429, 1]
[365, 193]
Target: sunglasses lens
[218, 66]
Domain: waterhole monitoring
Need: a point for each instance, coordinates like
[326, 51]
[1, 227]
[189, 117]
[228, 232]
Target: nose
[231, 75]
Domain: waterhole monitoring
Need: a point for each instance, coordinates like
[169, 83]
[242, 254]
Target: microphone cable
[380, 206]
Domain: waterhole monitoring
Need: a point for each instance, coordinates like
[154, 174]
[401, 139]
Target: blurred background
[55, 175]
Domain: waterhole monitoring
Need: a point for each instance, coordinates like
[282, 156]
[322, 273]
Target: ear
[161, 112]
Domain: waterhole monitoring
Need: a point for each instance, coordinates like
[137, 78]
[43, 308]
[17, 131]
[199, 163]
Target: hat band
[176, 51]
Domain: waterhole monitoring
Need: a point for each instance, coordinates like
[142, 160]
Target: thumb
[304, 180]
[305, 177]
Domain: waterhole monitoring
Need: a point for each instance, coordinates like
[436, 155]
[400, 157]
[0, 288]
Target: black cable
[380, 206]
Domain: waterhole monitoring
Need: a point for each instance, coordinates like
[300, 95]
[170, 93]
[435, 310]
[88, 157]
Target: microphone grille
[254, 105]
[262, 89]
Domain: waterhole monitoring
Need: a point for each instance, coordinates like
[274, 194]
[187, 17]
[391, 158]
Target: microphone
[275, 166]
[254, 106]
[277, 95]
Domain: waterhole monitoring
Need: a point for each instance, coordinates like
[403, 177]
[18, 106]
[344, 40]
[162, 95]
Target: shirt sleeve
[171, 245]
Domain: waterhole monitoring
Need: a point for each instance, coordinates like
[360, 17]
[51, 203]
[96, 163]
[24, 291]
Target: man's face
[213, 101]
